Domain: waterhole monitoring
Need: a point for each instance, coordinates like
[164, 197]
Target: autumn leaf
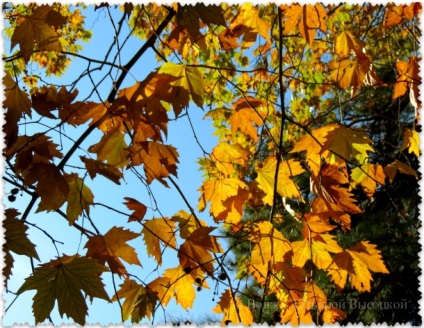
[138, 208]
[111, 148]
[216, 192]
[286, 186]
[47, 99]
[188, 17]
[311, 19]
[112, 246]
[95, 167]
[332, 314]
[396, 13]
[225, 155]
[408, 78]
[139, 301]
[195, 250]
[16, 240]
[52, 186]
[80, 197]
[245, 116]
[189, 78]
[397, 166]
[347, 43]
[180, 286]
[270, 246]
[34, 28]
[62, 280]
[248, 22]
[158, 231]
[312, 145]
[411, 141]
[368, 176]
[233, 309]
[187, 223]
[17, 102]
[159, 160]
[357, 262]
[343, 143]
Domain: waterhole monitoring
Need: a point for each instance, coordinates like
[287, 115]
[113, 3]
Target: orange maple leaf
[195, 250]
[112, 246]
[155, 232]
[408, 78]
[233, 309]
[138, 208]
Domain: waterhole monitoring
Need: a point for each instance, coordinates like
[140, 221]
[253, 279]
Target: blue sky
[106, 192]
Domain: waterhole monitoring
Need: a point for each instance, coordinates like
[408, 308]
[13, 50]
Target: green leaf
[62, 280]
[15, 235]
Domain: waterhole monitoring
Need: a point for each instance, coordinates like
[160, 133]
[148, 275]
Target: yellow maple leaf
[408, 78]
[357, 261]
[158, 231]
[346, 43]
[312, 18]
[332, 314]
[249, 23]
[246, 114]
[180, 286]
[411, 141]
[187, 223]
[233, 309]
[270, 247]
[189, 79]
[286, 186]
[216, 192]
[392, 168]
[225, 155]
[111, 148]
[368, 176]
[343, 143]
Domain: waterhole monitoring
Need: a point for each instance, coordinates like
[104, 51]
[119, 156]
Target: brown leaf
[95, 167]
[34, 28]
[112, 246]
[52, 187]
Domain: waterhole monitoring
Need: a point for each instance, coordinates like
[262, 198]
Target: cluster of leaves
[290, 92]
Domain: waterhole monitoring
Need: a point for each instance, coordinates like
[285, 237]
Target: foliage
[299, 181]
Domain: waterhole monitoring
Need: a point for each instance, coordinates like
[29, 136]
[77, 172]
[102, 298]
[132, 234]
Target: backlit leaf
[397, 166]
[411, 141]
[80, 198]
[158, 231]
[195, 250]
[63, 280]
[234, 310]
[138, 208]
[34, 28]
[112, 246]
[368, 176]
[52, 187]
[189, 78]
[139, 301]
[111, 148]
[95, 167]
[216, 192]
[357, 261]
[181, 286]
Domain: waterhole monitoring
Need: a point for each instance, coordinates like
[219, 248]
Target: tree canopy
[308, 208]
